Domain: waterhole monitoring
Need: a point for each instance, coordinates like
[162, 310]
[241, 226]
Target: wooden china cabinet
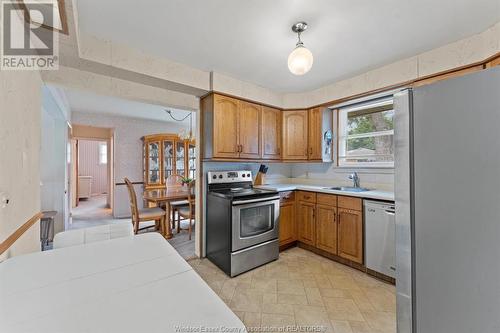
[165, 155]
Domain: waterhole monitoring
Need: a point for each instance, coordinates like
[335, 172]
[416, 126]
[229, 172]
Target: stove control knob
[220, 176]
[243, 175]
[248, 175]
[214, 177]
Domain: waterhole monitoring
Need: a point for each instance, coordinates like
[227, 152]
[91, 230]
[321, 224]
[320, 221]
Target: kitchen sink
[347, 189]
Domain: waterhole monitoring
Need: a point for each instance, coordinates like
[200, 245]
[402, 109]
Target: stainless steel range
[242, 224]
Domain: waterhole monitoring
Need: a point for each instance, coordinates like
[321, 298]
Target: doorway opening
[91, 174]
[151, 145]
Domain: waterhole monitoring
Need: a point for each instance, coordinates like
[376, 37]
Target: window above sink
[366, 134]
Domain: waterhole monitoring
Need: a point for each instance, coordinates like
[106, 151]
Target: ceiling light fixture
[300, 60]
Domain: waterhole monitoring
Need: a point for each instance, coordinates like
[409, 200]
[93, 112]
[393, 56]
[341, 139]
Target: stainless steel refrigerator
[447, 183]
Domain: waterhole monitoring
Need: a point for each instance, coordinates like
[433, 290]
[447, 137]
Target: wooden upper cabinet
[249, 120]
[306, 226]
[271, 133]
[350, 234]
[326, 228]
[295, 129]
[315, 134]
[225, 127]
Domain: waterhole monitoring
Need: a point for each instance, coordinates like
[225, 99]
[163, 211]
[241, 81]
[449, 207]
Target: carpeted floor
[93, 212]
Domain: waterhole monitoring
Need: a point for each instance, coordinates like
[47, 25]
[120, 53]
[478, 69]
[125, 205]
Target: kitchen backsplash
[329, 174]
[312, 173]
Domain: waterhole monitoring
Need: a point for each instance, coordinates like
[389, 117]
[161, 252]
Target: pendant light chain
[169, 112]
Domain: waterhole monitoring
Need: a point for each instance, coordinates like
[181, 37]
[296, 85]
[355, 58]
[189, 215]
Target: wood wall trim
[215, 92]
[486, 63]
[7, 243]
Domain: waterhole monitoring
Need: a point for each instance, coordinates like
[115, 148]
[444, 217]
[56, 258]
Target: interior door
[74, 173]
[249, 119]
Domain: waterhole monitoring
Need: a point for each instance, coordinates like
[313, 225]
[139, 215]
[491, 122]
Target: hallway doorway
[91, 188]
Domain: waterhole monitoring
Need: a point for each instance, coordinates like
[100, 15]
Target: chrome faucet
[355, 179]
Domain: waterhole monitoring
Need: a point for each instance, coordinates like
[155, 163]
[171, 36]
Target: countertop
[372, 194]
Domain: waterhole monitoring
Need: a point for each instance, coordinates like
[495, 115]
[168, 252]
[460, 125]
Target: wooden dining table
[166, 196]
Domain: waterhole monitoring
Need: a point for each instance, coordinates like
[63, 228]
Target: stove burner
[241, 190]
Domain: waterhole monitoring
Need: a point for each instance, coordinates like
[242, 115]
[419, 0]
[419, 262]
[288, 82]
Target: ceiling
[87, 102]
[250, 39]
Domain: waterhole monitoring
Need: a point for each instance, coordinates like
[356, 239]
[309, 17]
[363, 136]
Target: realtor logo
[26, 42]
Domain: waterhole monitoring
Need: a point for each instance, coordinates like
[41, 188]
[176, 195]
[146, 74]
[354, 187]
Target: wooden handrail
[7, 243]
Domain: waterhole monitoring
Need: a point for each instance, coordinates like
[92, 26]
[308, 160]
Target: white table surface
[132, 284]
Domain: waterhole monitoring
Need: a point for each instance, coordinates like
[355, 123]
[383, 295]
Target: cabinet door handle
[310, 151]
[241, 148]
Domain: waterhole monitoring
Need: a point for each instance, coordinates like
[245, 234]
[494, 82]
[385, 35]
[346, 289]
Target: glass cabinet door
[179, 158]
[154, 163]
[168, 158]
[192, 161]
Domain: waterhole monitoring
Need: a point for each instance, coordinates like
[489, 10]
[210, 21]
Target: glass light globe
[300, 60]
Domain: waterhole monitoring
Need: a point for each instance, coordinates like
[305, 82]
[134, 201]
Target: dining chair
[187, 212]
[175, 181]
[144, 214]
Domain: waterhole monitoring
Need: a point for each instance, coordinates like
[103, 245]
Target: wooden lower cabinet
[326, 228]
[288, 229]
[306, 226]
[350, 234]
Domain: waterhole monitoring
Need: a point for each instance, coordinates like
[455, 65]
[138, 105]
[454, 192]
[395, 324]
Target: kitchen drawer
[306, 196]
[326, 199]
[350, 203]
[286, 197]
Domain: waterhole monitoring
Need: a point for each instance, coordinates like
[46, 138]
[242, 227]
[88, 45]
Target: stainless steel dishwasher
[380, 244]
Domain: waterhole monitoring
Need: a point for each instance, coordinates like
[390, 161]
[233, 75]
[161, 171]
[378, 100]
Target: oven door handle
[241, 202]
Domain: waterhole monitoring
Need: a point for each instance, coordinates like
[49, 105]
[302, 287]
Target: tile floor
[304, 289]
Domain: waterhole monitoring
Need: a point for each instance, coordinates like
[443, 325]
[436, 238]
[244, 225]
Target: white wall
[53, 166]
[20, 113]
[53, 150]
[127, 149]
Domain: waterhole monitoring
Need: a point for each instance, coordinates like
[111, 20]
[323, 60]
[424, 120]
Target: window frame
[100, 153]
[342, 136]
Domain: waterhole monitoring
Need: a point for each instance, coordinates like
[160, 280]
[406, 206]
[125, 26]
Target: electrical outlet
[4, 199]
